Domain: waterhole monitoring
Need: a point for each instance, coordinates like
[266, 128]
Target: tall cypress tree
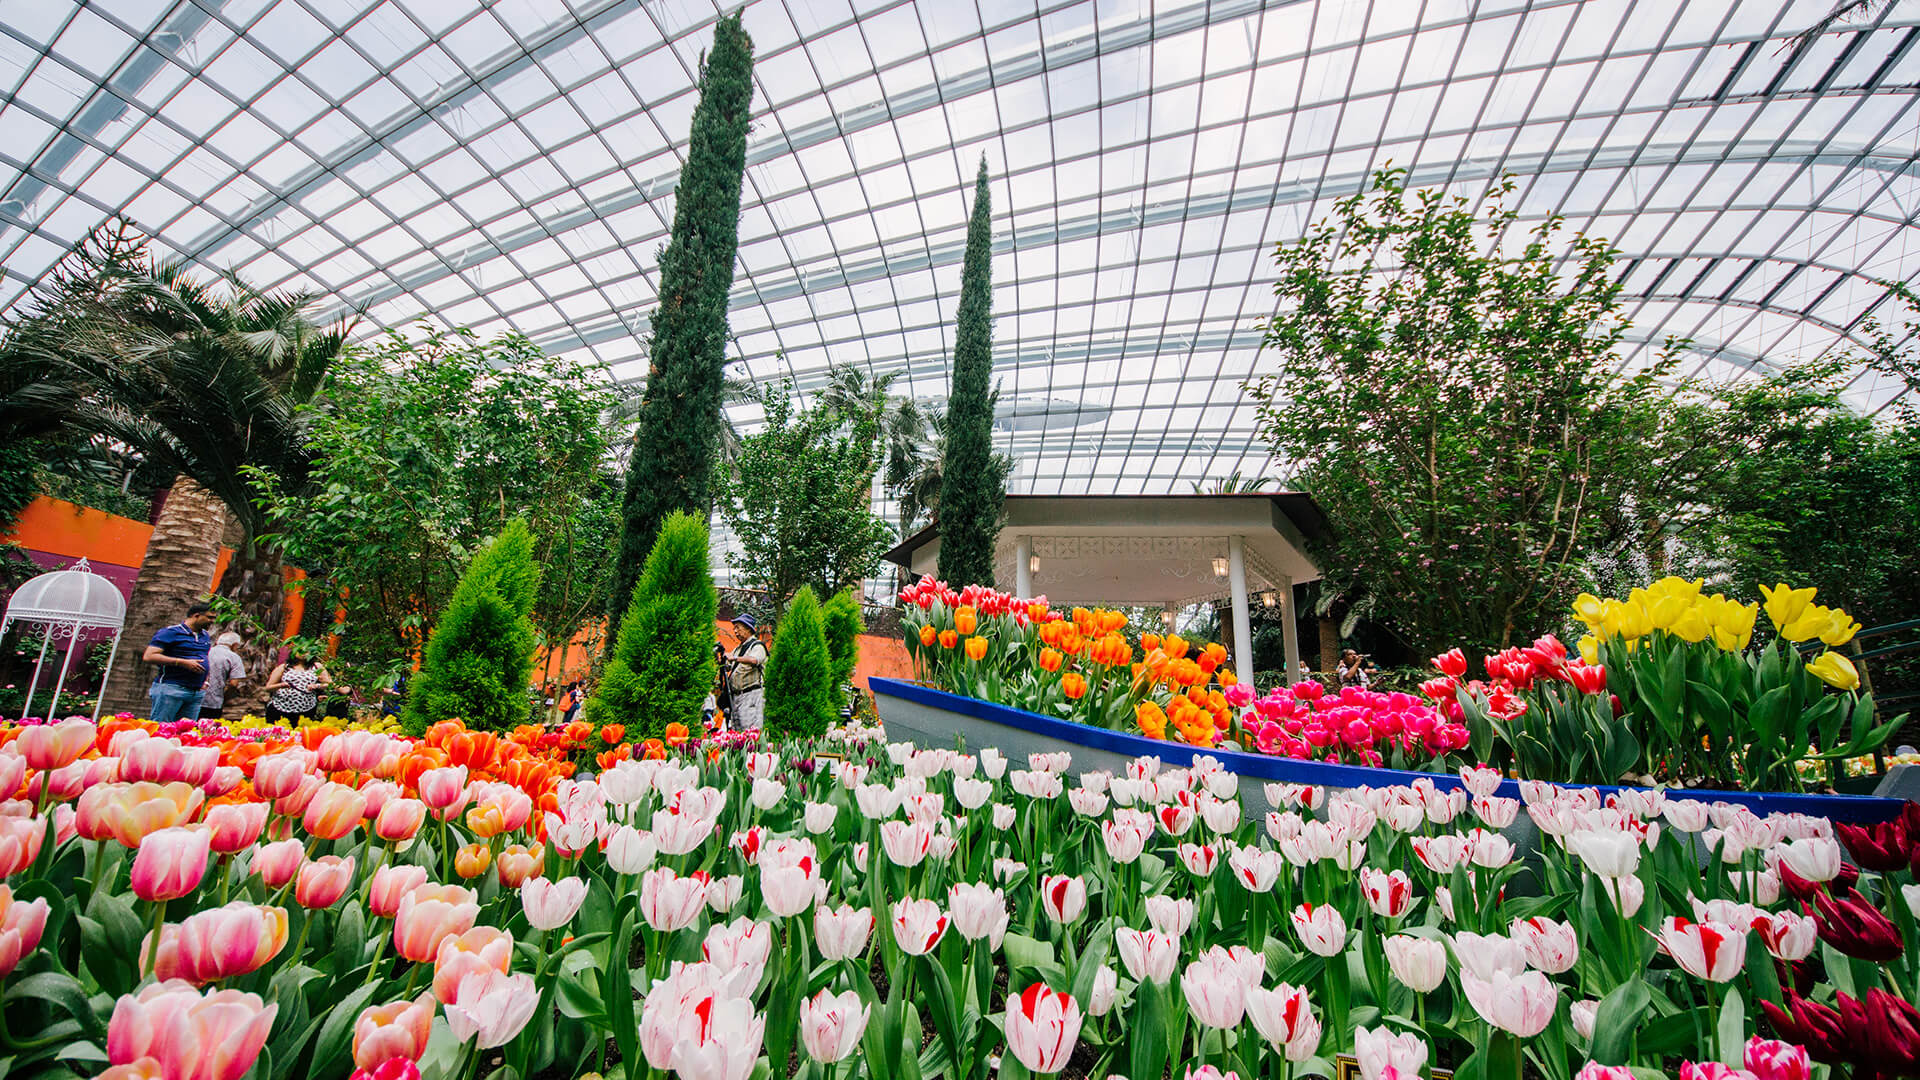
[679, 416]
[973, 487]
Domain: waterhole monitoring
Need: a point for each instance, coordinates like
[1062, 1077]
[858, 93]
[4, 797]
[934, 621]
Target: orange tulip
[1074, 685]
[1037, 611]
[613, 733]
[949, 639]
[976, 648]
[487, 821]
[472, 861]
[1050, 660]
[1228, 678]
[1152, 721]
[965, 620]
[1050, 633]
[928, 635]
[653, 750]
[518, 863]
[677, 734]
[335, 811]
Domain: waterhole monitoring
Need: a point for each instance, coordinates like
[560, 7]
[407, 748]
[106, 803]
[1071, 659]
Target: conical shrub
[480, 657]
[800, 695]
[841, 619]
[662, 667]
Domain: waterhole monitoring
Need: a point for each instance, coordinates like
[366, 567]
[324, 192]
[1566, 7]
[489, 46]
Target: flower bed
[363, 906]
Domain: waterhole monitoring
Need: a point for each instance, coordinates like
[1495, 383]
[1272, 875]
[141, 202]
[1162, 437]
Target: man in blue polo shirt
[180, 651]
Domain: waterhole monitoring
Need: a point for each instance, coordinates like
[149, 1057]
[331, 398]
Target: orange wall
[62, 528]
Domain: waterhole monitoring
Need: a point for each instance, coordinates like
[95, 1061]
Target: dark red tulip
[1885, 846]
[1854, 926]
[1883, 1032]
[1814, 1026]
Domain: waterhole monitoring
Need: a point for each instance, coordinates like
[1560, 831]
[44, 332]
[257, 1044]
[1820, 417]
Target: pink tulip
[830, 1026]
[550, 905]
[1389, 895]
[234, 827]
[145, 1068]
[1199, 859]
[1147, 955]
[1042, 1028]
[224, 779]
[492, 1008]
[918, 925]
[13, 772]
[1522, 1004]
[1788, 936]
[1320, 928]
[170, 863]
[55, 746]
[67, 783]
[215, 1037]
[398, 1029]
[1593, 1070]
[724, 892]
[979, 911]
[294, 804]
[335, 811]
[1378, 1049]
[379, 793]
[1712, 1070]
[1063, 897]
[399, 819]
[481, 948]
[740, 948]
[390, 883]
[165, 761]
[1124, 842]
[1209, 1072]
[1419, 963]
[444, 790]
[1284, 1017]
[429, 915]
[276, 776]
[221, 942]
[21, 924]
[278, 862]
[906, 842]
[1771, 1059]
[790, 887]
[1712, 951]
[842, 934]
[1105, 990]
[1216, 995]
[1169, 915]
[669, 901]
[322, 882]
[20, 843]
[1550, 946]
[696, 1023]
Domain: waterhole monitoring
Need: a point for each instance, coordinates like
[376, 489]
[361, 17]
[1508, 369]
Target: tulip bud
[322, 882]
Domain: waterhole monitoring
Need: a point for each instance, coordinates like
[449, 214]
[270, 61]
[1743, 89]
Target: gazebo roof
[1143, 549]
[74, 597]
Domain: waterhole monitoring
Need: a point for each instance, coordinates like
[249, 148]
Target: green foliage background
[481, 654]
[679, 417]
[841, 622]
[974, 481]
[662, 667]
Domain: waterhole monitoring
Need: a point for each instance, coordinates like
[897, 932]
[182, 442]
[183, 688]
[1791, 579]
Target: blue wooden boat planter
[932, 717]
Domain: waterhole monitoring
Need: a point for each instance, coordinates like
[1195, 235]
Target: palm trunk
[255, 579]
[178, 567]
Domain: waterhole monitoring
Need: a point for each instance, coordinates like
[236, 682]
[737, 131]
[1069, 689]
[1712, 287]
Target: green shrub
[840, 619]
[662, 667]
[800, 688]
[481, 654]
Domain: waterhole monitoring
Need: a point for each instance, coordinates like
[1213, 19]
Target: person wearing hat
[746, 677]
[225, 670]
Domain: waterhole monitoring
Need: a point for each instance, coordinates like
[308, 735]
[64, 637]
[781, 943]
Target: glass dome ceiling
[511, 165]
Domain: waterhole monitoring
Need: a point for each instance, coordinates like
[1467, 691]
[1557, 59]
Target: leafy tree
[1453, 406]
[481, 654]
[424, 447]
[662, 667]
[679, 417]
[800, 495]
[973, 484]
[842, 624]
[801, 697]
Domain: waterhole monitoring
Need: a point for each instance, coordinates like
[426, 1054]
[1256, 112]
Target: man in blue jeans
[180, 651]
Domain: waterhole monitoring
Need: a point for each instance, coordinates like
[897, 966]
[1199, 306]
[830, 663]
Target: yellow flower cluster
[364, 721]
[1671, 604]
[1798, 618]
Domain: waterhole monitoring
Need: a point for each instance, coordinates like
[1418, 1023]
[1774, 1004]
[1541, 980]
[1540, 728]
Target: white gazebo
[67, 603]
[1166, 550]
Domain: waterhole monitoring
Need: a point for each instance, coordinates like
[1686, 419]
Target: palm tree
[1232, 484]
[205, 382]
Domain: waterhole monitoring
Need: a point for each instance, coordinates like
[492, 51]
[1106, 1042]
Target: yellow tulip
[1635, 621]
[1691, 625]
[1667, 611]
[1836, 671]
[1784, 604]
[1588, 608]
[1809, 624]
[1590, 648]
[1840, 628]
[1732, 623]
[1678, 586]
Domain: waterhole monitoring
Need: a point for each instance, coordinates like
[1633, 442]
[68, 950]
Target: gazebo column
[1242, 625]
[1023, 566]
[1289, 628]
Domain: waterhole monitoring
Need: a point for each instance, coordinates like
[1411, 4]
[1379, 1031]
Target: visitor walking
[576, 696]
[225, 671]
[180, 651]
[746, 678]
[293, 690]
